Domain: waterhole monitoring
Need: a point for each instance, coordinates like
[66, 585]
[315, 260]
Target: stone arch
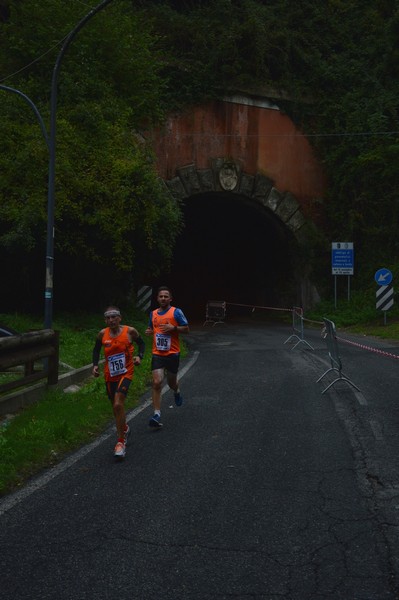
[190, 181]
[260, 191]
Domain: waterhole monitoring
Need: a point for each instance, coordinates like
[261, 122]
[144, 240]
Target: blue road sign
[342, 258]
[383, 276]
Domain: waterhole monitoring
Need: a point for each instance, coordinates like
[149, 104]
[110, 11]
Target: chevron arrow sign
[143, 300]
[384, 297]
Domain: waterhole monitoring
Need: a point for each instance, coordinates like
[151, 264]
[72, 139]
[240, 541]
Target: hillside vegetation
[335, 63]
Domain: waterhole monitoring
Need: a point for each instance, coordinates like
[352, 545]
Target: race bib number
[117, 364]
[163, 342]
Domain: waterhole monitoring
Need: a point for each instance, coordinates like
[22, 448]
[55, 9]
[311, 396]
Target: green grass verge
[42, 433]
[359, 315]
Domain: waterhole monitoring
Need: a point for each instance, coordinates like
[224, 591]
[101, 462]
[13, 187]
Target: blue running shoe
[155, 421]
[178, 399]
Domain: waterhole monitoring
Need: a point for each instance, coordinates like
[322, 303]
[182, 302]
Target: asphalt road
[259, 487]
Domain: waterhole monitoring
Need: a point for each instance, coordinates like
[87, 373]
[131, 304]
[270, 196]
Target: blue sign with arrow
[383, 277]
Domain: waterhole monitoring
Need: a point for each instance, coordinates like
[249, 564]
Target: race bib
[163, 342]
[117, 364]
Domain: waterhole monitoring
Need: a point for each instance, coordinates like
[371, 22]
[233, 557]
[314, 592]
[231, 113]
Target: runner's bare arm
[136, 337]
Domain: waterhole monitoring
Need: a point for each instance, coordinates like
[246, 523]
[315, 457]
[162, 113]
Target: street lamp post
[48, 294]
[35, 110]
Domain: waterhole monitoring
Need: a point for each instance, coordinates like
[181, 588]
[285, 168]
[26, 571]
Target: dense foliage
[113, 216]
[332, 66]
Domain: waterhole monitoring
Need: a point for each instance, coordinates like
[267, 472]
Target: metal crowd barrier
[215, 312]
[336, 365]
[297, 328]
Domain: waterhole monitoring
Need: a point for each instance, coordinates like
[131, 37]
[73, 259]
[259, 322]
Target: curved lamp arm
[38, 115]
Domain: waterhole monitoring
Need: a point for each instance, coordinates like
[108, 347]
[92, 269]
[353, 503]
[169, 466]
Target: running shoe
[155, 421]
[126, 434]
[178, 399]
[120, 450]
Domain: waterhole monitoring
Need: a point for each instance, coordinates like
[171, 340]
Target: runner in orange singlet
[117, 343]
[166, 323]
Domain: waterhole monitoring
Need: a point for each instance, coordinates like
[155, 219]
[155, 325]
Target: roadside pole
[48, 293]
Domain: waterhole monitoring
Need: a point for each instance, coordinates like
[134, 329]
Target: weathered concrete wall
[261, 139]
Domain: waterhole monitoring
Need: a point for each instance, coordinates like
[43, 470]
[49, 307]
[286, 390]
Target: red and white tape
[264, 307]
[299, 312]
[369, 348]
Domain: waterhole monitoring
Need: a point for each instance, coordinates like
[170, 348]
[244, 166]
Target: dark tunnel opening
[235, 250]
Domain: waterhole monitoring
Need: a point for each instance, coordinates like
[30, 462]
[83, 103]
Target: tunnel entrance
[232, 249]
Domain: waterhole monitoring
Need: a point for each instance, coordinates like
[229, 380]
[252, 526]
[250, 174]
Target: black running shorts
[169, 363]
[119, 385]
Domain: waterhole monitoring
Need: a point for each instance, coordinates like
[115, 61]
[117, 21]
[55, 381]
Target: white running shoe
[120, 450]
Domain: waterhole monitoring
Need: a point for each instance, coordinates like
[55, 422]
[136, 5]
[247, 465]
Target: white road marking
[17, 497]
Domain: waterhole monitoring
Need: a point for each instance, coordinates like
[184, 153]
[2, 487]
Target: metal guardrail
[24, 350]
[215, 312]
[336, 364]
[297, 328]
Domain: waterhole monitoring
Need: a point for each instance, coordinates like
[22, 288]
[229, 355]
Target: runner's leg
[157, 379]
[118, 407]
[172, 381]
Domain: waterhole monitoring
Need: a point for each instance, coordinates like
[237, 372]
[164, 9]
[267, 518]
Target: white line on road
[41, 481]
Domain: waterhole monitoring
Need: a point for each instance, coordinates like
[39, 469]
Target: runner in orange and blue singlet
[165, 325]
[117, 343]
